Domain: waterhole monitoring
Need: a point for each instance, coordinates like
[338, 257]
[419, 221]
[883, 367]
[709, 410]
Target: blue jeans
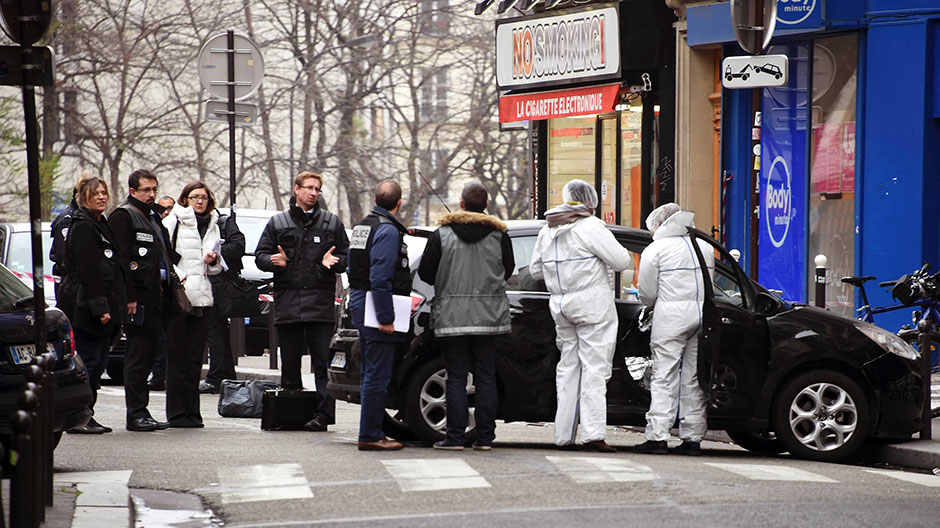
[476, 354]
[377, 360]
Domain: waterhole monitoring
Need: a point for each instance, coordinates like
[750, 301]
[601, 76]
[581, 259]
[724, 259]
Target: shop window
[631, 157]
[607, 194]
[571, 153]
[832, 167]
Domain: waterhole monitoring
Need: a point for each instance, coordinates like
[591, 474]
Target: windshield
[12, 289]
[252, 227]
[20, 256]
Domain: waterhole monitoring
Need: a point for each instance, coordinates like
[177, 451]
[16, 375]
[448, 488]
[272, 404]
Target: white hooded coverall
[575, 260]
[671, 277]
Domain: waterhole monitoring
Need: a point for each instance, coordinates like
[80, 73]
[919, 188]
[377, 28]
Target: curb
[915, 454]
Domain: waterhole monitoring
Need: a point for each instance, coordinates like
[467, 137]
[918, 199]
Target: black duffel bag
[243, 398]
[288, 410]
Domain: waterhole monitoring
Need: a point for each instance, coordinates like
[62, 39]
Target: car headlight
[889, 342]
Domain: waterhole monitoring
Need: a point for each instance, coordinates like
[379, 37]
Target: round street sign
[27, 25]
[213, 66]
[753, 23]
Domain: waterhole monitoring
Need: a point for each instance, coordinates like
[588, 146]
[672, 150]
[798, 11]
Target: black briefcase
[288, 410]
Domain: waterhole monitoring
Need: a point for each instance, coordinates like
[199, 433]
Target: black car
[17, 348]
[778, 376]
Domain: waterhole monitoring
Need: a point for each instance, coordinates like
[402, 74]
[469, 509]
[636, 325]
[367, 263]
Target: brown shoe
[600, 446]
[382, 445]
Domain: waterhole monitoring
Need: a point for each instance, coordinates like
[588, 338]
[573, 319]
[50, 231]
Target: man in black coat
[305, 247]
[143, 245]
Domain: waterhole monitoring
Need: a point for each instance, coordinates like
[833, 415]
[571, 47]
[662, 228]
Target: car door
[734, 345]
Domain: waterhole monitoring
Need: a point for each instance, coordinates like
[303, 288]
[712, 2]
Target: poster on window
[834, 158]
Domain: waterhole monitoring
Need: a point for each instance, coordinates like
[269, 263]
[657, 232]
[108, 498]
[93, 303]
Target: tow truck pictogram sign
[754, 71]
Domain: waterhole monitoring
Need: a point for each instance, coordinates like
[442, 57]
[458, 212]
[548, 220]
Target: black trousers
[159, 360]
[187, 341]
[221, 363]
[477, 354]
[138, 362]
[295, 340]
[94, 352]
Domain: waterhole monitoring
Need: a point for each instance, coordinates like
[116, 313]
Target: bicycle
[921, 292]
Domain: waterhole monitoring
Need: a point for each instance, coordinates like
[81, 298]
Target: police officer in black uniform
[142, 244]
[378, 263]
[305, 247]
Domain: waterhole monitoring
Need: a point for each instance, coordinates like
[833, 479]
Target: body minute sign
[560, 49]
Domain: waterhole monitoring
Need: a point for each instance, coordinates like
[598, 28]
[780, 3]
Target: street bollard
[30, 401]
[23, 511]
[923, 339]
[42, 433]
[48, 424]
[821, 262]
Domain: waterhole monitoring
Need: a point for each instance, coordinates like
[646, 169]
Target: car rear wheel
[425, 402]
[822, 415]
[758, 441]
[395, 426]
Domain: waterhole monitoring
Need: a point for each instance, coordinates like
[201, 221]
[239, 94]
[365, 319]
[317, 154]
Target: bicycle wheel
[911, 337]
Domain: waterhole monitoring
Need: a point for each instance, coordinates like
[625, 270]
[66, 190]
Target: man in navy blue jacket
[378, 263]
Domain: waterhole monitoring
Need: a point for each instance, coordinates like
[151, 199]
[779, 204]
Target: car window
[522, 248]
[625, 281]
[20, 256]
[726, 286]
[12, 289]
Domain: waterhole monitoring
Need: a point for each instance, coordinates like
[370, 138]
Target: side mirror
[765, 304]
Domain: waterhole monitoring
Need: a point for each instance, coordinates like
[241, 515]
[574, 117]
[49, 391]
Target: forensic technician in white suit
[575, 254]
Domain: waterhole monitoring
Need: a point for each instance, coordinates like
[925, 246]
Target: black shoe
[145, 424]
[447, 445]
[156, 385]
[480, 446]
[688, 448]
[652, 447]
[207, 388]
[316, 425]
[92, 427]
[185, 424]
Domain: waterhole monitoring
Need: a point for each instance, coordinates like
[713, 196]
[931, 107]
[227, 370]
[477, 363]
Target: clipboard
[402, 305]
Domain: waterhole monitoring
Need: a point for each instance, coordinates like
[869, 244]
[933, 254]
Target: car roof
[254, 213]
[20, 227]
[532, 227]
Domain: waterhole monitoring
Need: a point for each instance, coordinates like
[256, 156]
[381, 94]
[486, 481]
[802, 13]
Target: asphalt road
[253, 478]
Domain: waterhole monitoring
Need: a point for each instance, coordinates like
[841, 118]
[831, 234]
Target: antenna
[426, 182]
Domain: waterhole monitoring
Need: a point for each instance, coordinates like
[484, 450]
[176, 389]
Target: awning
[558, 103]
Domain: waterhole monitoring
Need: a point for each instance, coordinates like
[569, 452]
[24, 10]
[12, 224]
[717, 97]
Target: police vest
[360, 252]
[146, 245]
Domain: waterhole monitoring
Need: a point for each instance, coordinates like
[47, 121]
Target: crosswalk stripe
[932, 481]
[263, 483]
[600, 469]
[420, 474]
[766, 472]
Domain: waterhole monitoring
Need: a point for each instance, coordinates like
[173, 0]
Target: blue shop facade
[844, 160]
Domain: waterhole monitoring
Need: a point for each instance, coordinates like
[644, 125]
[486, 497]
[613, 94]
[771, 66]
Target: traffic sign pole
[231, 118]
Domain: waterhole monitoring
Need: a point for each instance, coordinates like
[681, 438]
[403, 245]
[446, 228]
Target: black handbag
[181, 304]
[242, 398]
[288, 410]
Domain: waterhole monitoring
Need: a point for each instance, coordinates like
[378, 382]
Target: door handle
[515, 311]
[725, 320]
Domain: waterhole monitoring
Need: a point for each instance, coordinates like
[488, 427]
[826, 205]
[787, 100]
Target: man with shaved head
[468, 261]
[378, 263]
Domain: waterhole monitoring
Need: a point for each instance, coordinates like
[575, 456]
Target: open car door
[733, 346]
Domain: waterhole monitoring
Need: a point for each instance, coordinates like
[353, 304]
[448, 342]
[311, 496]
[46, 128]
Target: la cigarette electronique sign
[558, 49]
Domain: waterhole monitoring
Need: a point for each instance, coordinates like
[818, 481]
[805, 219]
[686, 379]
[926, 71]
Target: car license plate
[25, 353]
[339, 360]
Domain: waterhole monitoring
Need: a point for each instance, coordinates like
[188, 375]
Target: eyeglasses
[147, 190]
[310, 188]
[198, 198]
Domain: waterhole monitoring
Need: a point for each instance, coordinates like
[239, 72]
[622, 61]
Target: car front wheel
[425, 404]
[822, 415]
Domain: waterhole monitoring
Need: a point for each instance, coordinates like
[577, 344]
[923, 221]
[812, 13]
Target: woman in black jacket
[92, 290]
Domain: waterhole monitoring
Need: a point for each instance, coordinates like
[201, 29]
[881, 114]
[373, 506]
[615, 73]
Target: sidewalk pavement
[915, 454]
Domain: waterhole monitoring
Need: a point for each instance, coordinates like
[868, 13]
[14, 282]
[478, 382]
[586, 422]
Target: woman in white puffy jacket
[194, 233]
[575, 253]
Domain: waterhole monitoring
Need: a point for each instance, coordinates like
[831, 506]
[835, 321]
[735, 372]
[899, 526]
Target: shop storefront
[596, 85]
[840, 160]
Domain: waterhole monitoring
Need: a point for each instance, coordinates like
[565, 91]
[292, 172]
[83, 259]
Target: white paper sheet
[402, 312]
